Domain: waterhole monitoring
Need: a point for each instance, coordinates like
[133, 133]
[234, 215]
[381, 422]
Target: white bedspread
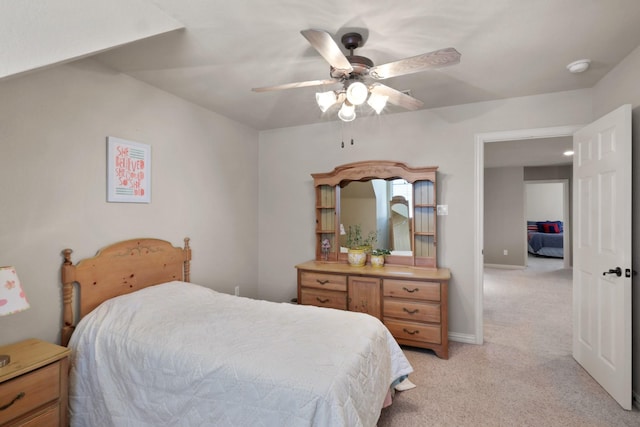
[180, 354]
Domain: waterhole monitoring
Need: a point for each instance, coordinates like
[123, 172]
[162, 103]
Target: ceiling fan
[358, 75]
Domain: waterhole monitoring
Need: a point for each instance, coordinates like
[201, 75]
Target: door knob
[617, 271]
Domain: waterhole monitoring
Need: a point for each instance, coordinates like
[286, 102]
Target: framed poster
[128, 171]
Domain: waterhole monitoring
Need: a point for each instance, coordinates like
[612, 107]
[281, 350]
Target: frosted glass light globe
[377, 102]
[357, 93]
[326, 100]
[347, 112]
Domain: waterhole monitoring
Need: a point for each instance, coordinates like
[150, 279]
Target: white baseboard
[463, 338]
[506, 266]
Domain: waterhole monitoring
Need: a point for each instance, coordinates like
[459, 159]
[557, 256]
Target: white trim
[506, 266]
[479, 236]
[518, 134]
[480, 140]
[567, 242]
[463, 338]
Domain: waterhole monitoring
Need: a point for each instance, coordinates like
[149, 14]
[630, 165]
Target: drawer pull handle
[411, 290]
[414, 311]
[322, 301]
[410, 332]
[322, 282]
[15, 399]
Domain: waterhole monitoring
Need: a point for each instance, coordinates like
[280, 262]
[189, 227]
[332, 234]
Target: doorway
[550, 200]
[480, 141]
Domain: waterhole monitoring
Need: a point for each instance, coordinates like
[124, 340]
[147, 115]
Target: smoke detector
[579, 66]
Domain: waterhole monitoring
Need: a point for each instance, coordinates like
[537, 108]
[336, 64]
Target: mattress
[180, 354]
[538, 241]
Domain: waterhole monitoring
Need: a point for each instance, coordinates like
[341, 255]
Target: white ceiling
[37, 34]
[528, 152]
[509, 48]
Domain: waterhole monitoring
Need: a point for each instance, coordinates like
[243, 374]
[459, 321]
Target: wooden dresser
[34, 386]
[410, 301]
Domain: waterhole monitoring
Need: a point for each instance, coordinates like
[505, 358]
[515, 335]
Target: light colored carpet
[523, 374]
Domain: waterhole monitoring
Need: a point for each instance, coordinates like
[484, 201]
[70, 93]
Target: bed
[150, 348]
[545, 238]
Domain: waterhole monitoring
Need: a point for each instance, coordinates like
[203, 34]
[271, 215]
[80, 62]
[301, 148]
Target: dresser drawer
[411, 289]
[414, 331]
[35, 388]
[413, 310]
[331, 282]
[322, 298]
[50, 417]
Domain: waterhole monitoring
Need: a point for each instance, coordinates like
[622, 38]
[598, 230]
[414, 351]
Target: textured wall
[53, 129]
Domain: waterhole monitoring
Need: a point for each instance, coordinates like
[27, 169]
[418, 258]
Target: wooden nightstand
[34, 386]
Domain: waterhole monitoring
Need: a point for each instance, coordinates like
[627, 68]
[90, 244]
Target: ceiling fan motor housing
[360, 64]
[351, 40]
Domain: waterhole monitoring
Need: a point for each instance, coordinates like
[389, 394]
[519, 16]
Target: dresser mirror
[380, 206]
[365, 194]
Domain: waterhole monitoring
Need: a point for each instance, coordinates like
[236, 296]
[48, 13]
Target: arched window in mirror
[400, 209]
[400, 187]
[399, 225]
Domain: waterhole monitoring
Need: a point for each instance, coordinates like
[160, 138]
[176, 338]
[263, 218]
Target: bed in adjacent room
[545, 238]
[153, 349]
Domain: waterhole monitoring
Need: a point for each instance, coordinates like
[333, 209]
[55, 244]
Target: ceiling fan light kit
[347, 112]
[357, 93]
[326, 99]
[355, 73]
[377, 102]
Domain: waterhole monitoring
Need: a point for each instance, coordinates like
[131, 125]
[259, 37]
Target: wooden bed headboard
[119, 269]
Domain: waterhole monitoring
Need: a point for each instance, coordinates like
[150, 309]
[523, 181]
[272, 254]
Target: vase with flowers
[326, 245]
[377, 257]
[359, 246]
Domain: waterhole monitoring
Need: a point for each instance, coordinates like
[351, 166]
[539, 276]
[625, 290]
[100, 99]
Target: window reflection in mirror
[381, 206]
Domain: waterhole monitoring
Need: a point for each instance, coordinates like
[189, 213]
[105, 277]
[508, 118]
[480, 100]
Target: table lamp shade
[12, 297]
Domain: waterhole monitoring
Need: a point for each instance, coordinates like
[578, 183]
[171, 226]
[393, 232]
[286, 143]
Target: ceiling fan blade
[426, 61]
[296, 85]
[396, 97]
[328, 48]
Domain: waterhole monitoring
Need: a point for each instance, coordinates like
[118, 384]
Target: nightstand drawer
[412, 289]
[320, 298]
[414, 331]
[331, 282]
[416, 311]
[35, 389]
[51, 417]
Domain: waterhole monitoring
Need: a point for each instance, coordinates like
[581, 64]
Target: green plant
[381, 252]
[356, 241]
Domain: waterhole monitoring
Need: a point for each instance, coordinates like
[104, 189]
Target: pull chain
[342, 142]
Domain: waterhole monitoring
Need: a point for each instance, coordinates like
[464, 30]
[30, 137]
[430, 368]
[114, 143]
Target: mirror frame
[366, 171]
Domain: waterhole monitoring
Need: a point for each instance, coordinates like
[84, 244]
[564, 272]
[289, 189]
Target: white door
[602, 244]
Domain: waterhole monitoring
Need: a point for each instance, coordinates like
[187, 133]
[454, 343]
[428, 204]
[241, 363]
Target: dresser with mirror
[397, 204]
